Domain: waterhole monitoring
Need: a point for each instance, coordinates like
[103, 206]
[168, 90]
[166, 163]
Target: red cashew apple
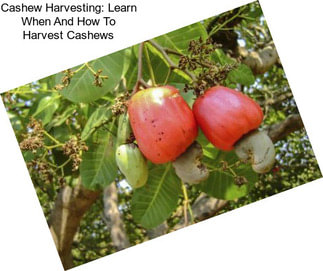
[225, 115]
[162, 122]
[228, 118]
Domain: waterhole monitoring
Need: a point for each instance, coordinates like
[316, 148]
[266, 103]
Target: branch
[172, 51]
[70, 206]
[157, 231]
[113, 219]
[139, 75]
[237, 12]
[140, 80]
[280, 130]
[203, 208]
[260, 61]
[276, 100]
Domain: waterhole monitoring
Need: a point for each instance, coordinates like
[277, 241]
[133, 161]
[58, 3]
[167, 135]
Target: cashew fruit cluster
[165, 129]
[229, 119]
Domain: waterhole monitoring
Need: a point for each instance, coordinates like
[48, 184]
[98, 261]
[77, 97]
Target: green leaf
[132, 71]
[255, 11]
[48, 81]
[161, 68]
[60, 119]
[154, 203]
[189, 97]
[221, 184]
[98, 167]
[220, 57]
[28, 156]
[180, 38]
[209, 151]
[15, 121]
[241, 75]
[127, 60]
[281, 115]
[46, 108]
[61, 133]
[97, 118]
[81, 88]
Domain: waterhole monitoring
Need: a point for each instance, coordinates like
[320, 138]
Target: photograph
[161, 135]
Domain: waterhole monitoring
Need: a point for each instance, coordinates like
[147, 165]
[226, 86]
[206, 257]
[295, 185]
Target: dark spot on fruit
[158, 154]
[159, 139]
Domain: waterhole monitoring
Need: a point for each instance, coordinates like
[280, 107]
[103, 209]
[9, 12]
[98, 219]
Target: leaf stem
[187, 205]
[80, 68]
[52, 138]
[51, 164]
[65, 163]
[90, 68]
[232, 171]
[167, 76]
[53, 146]
[94, 72]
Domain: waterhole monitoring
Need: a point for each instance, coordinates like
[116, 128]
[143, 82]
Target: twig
[279, 99]
[80, 68]
[140, 81]
[173, 52]
[202, 63]
[94, 72]
[53, 146]
[52, 138]
[167, 76]
[170, 62]
[214, 30]
[187, 206]
[280, 130]
[143, 83]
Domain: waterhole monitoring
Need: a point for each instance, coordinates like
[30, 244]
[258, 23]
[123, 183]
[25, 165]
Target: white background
[283, 232]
